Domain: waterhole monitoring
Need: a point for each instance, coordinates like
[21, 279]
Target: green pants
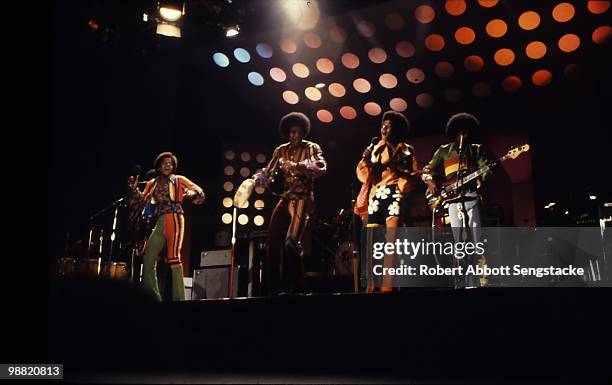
[168, 231]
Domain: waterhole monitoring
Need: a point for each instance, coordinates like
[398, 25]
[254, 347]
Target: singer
[389, 171]
[300, 162]
[166, 193]
[450, 161]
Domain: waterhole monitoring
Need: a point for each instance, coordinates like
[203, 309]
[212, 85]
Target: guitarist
[300, 161]
[443, 168]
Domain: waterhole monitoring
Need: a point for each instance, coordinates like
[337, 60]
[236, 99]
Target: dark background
[122, 94]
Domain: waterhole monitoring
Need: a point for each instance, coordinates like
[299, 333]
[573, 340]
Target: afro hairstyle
[461, 122]
[401, 125]
[294, 119]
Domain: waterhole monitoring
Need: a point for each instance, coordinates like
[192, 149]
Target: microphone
[372, 144]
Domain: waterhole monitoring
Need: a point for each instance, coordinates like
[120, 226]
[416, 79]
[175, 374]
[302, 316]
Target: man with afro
[299, 161]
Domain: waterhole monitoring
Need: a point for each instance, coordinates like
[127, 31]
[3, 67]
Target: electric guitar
[450, 190]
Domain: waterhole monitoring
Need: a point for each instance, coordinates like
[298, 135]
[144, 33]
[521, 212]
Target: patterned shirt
[162, 202]
[298, 181]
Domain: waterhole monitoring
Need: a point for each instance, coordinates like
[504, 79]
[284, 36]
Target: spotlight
[171, 10]
[170, 13]
[566, 212]
[551, 204]
[232, 31]
[320, 85]
[592, 197]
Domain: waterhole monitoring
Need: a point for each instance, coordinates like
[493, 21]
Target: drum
[66, 267]
[115, 270]
[343, 262]
[87, 267]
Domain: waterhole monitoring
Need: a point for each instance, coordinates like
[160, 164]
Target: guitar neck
[470, 177]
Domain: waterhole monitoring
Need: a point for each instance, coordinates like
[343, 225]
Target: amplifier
[213, 282]
[215, 258]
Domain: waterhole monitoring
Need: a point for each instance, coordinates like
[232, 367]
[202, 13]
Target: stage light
[258, 220]
[424, 14]
[255, 78]
[259, 204]
[320, 85]
[387, 81]
[300, 70]
[372, 108]
[398, 104]
[228, 186]
[415, 75]
[227, 202]
[264, 50]
[145, 17]
[434, 42]
[563, 12]
[325, 116]
[313, 94]
[535, 50]
[171, 12]
[569, 42]
[350, 60]
[226, 218]
[361, 85]
[598, 6]
[245, 172]
[278, 74]
[481, 90]
[243, 219]
[541, 78]
[566, 212]
[288, 45]
[228, 170]
[550, 205]
[602, 34]
[529, 20]
[377, 55]
[424, 100]
[245, 156]
[465, 35]
[232, 31]
[291, 97]
[303, 14]
[496, 28]
[592, 197]
[220, 59]
[444, 69]
[487, 3]
[348, 112]
[455, 7]
[261, 158]
[242, 55]
[229, 155]
[473, 63]
[404, 49]
[366, 29]
[166, 29]
[337, 90]
[260, 190]
[504, 57]
[324, 65]
[512, 83]
[312, 40]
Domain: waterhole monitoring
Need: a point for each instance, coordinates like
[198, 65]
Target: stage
[111, 331]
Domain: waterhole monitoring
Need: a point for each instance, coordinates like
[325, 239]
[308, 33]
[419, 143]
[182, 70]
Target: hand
[432, 189]
[478, 183]
[190, 193]
[366, 154]
[133, 183]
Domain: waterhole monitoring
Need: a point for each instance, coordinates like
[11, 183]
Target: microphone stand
[353, 242]
[461, 204]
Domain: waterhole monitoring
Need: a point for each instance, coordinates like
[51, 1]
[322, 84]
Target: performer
[166, 192]
[464, 211]
[300, 162]
[388, 171]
